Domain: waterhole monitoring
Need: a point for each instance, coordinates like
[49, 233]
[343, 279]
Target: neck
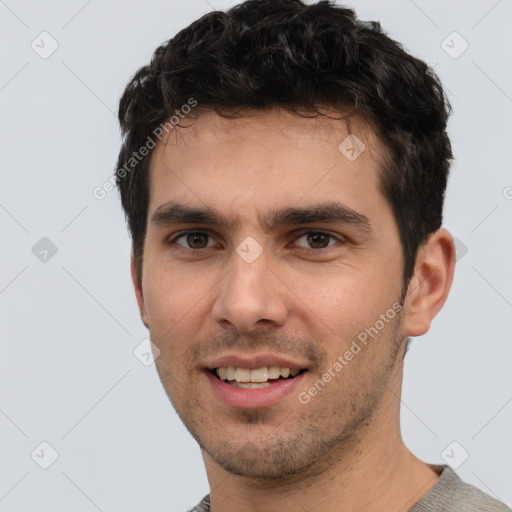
[373, 467]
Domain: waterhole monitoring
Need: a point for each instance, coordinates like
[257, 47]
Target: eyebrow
[332, 212]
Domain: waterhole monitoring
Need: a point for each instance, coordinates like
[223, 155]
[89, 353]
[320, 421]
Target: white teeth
[261, 375]
[274, 372]
[230, 373]
[243, 375]
[245, 385]
[251, 385]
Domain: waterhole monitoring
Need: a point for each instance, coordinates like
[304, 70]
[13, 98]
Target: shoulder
[451, 494]
[203, 506]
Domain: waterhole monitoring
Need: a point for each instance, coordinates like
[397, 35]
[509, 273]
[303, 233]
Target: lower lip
[241, 398]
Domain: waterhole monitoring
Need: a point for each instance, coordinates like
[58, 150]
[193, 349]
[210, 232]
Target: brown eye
[197, 240]
[318, 240]
[194, 240]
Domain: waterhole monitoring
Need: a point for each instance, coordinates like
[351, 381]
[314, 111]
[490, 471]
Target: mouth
[257, 378]
[241, 383]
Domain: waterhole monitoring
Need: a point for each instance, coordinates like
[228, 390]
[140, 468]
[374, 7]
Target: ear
[431, 282]
[137, 285]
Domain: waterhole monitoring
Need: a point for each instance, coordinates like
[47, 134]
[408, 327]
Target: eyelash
[337, 238]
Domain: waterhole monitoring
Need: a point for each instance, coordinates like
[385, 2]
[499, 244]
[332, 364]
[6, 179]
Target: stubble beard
[324, 431]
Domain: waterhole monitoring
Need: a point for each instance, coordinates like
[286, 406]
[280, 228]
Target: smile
[255, 378]
[240, 387]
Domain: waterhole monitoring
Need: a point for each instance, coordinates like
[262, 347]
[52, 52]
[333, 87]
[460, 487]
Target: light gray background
[69, 325]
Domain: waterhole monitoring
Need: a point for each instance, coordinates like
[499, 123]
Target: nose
[250, 296]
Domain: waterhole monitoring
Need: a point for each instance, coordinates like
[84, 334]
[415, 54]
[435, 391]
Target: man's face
[295, 255]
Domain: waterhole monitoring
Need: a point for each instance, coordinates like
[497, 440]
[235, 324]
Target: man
[283, 173]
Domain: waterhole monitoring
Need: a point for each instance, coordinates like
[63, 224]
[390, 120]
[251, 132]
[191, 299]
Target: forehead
[265, 158]
[264, 125]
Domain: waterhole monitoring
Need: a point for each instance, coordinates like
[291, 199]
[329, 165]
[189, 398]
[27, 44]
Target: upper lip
[253, 361]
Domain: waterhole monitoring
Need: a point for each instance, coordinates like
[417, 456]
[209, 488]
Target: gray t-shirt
[449, 494]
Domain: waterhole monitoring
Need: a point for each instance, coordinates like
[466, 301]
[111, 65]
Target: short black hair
[264, 54]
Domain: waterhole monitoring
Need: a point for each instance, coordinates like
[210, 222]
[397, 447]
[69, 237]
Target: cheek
[171, 290]
[176, 302]
[341, 304]
[334, 303]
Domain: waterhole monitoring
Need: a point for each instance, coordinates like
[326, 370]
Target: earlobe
[137, 285]
[431, 283]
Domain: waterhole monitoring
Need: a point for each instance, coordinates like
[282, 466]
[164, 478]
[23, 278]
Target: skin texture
[306, 302]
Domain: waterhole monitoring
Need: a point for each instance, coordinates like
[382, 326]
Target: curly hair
[264, 54]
